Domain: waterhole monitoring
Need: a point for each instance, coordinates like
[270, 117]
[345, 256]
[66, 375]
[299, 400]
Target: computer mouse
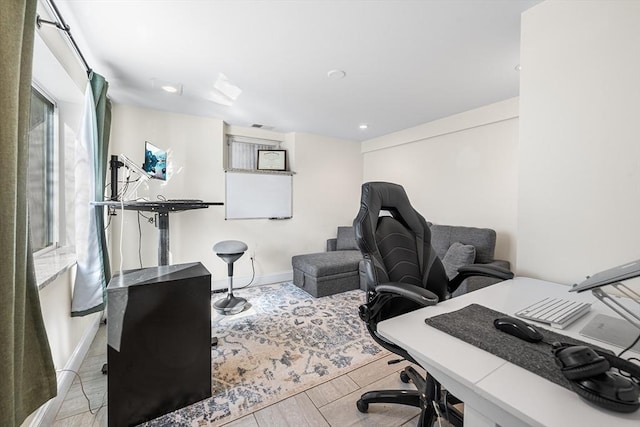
[518, 328]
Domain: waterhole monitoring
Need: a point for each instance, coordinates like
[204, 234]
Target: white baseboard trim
[46, 415]
[240, 282]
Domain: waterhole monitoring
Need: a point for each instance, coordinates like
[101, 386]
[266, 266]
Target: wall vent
[259, 126]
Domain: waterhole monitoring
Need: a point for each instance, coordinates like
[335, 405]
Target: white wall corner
[492, 113]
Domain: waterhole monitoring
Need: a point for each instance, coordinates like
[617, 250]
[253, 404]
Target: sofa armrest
[501, 263]
[332, 244]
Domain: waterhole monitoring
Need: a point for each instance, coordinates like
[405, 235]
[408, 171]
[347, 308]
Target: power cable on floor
[83, 391]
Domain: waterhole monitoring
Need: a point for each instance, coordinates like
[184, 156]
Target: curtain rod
[60, 24]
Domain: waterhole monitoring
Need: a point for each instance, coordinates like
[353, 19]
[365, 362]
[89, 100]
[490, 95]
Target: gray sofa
[339, 268]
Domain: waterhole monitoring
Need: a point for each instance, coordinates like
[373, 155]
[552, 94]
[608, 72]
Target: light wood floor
[329, 404]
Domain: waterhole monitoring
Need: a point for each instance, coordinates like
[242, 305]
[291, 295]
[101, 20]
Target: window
[243, 151]
[40, 184]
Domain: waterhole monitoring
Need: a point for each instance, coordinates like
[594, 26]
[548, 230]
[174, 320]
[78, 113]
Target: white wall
[325, 195]
[461, 170]
[579, 156]
[326, 189]
[193, 172]
[64, 332]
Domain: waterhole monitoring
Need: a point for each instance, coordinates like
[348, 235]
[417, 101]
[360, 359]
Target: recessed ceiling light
[518, 67]
[166, 86]
[336, 74]
[170, 89]
[364, 126]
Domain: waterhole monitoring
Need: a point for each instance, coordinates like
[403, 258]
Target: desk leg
[163, 236]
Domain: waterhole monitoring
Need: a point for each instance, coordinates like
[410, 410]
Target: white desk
[495, 391]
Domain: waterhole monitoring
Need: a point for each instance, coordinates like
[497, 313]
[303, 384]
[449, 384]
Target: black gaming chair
[403, 274]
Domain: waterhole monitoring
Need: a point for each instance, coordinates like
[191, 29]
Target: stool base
[229, 305]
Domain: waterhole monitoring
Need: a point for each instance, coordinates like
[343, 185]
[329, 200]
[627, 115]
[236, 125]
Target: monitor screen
[155, 161]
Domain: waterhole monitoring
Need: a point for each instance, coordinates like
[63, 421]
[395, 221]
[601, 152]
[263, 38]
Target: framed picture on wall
[272, 160]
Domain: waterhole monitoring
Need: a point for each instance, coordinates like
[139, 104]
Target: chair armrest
[384, 293]
[485, 270]
[413, 293]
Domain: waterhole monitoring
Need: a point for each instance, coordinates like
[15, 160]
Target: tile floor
[328, 404]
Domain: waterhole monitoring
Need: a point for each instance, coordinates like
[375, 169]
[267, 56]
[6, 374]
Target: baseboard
[45, 416]
[240, 282]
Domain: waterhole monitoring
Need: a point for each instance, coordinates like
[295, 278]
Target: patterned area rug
[285, 343]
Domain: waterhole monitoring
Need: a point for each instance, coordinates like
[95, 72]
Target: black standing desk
[163, 208]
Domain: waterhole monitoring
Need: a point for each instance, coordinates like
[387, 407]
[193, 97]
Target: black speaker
[159, 341]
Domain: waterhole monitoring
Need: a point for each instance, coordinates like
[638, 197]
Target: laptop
[609, 276]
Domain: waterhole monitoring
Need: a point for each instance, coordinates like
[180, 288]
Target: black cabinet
[159, 341]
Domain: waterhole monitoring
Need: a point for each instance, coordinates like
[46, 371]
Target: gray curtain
[99, 88]
[94, 271]
[27, 374]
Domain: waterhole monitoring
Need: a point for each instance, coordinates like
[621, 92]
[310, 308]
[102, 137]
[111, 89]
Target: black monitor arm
[114, 164]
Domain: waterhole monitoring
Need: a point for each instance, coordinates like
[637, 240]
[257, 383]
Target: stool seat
[227, 247]
[230, 251]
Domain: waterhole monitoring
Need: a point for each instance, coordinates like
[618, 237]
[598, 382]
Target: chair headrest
[386, 196]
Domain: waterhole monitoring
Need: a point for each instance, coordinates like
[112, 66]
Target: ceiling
[405, 62]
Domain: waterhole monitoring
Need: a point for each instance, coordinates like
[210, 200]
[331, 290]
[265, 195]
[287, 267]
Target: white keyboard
[555, 311]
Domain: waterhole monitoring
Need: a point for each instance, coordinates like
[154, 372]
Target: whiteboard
[257, 195]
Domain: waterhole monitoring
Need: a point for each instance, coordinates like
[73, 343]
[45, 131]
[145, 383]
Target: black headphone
[588, 371]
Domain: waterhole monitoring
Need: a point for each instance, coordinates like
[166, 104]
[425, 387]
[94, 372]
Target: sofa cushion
[327, 263]
[458, 255]
[346, 239]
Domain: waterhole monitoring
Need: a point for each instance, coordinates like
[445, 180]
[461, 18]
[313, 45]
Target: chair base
[420, 398]
[229, 305]
[401, 397]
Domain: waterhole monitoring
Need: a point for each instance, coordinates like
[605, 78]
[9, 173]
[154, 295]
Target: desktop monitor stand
[114, 165]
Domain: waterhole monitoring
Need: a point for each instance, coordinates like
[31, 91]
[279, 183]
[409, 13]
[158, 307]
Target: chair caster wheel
[404, 377]
[362, 406]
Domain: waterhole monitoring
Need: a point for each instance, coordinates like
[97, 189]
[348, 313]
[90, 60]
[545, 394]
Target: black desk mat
[474, 325]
